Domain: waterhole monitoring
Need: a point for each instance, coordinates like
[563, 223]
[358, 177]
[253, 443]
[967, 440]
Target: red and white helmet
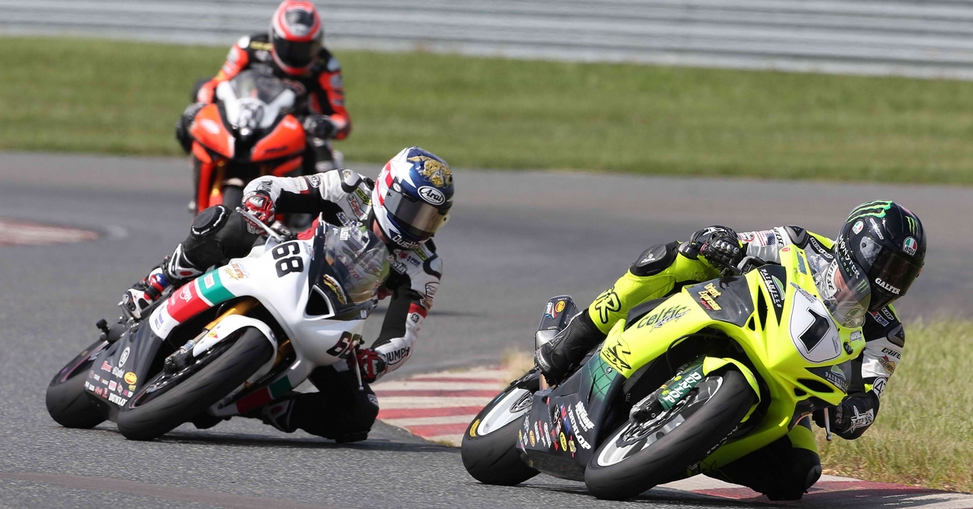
[296, 35]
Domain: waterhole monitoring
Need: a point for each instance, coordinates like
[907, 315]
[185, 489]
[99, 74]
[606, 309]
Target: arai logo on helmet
[858, 227]
[909, 246]
[887, 286]
[432, 195]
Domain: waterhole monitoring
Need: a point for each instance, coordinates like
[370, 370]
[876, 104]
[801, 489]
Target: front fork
[671, 393]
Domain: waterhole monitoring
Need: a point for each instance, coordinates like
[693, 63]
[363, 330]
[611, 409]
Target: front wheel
[645, 452]
[170, 399]
[232, 196]
[67, 401]
[489, 448]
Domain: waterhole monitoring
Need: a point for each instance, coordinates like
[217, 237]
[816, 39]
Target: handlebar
[749, 263]
[276, 231]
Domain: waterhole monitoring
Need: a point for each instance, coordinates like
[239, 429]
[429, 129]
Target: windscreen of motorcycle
[354, 266]
[254, 100]
[845, 290]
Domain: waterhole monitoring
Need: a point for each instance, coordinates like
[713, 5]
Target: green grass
[123, 97]
[924, 431]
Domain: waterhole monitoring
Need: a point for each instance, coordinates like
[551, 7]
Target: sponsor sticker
[663, 317]
[582, 412]
[909, 246]
[857, 228]
[124, 356]
[887, 287]
[131, 378]
[708, 296]
[432, 195]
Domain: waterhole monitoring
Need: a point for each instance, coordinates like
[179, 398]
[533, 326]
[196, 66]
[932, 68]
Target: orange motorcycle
[248, 132]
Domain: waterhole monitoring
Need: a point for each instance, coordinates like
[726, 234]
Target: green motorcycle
[685, 384]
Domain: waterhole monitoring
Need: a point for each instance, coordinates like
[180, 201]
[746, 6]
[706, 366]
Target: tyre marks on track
[439, 406]
[25, 233]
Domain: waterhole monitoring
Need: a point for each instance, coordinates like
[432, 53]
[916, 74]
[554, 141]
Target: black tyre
[643, 453]
[232, 196]
[67, 401]
[168, 400]
[489, 448]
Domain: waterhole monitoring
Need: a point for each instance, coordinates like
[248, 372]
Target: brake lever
[276, 231]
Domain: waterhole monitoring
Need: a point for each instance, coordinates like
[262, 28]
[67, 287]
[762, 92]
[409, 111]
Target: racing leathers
[784, 469]
[322, 86]
[340, 410]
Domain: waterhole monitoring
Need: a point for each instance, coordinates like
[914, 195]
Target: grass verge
[924, 432]
[122, 97]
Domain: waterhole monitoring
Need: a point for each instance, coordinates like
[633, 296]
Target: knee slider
[210, 221]
[655, 259]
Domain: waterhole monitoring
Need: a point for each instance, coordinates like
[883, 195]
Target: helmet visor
[846, 294]
[888, 270]
[296, 54]
[416, 217]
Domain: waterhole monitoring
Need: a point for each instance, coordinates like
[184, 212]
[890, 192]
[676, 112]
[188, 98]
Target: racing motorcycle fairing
[248, 132]
[276, 289]
[770, 324]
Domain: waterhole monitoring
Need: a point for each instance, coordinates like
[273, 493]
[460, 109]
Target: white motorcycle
[229, 341]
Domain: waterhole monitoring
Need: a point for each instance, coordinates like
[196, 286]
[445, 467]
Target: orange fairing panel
[286, 139]
[208, 130]
[285, 168]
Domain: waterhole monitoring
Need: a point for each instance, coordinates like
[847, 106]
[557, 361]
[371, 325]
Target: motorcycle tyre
[200, 391]
[666, 460]
[68, 403]
[232, 196]
[494, 458]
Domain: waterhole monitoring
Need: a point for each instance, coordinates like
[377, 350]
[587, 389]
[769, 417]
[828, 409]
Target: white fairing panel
[251, 111]
[278, 278]
[813, 331]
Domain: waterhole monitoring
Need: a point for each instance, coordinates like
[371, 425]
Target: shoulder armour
[797, 234]
[350, 180]
[260, 42]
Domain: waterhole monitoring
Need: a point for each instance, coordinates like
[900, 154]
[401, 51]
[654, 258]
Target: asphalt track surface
[514, 240]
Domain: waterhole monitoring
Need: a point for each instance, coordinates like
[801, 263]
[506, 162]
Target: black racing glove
[320, 126]
[722, 251]
[182, 125]
[851, 418]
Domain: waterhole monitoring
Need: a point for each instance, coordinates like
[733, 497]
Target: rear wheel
[645, 452]
[489, 450]
[170, 399]
[67, 401]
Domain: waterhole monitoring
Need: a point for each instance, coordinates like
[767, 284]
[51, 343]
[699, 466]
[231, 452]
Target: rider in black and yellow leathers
[881, 243]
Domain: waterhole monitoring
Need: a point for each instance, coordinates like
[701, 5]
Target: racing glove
[182, 125]
[851, 418]
[371, 364]
[320, 126]
[722, 251]
[261, 207]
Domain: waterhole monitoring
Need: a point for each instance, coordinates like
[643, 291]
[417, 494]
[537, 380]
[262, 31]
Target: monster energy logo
[870, 209]
[913, 225]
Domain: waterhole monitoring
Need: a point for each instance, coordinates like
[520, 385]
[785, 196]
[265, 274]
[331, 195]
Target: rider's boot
[174, 270]
[655, 273]
[276, 414]
[556, 357]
